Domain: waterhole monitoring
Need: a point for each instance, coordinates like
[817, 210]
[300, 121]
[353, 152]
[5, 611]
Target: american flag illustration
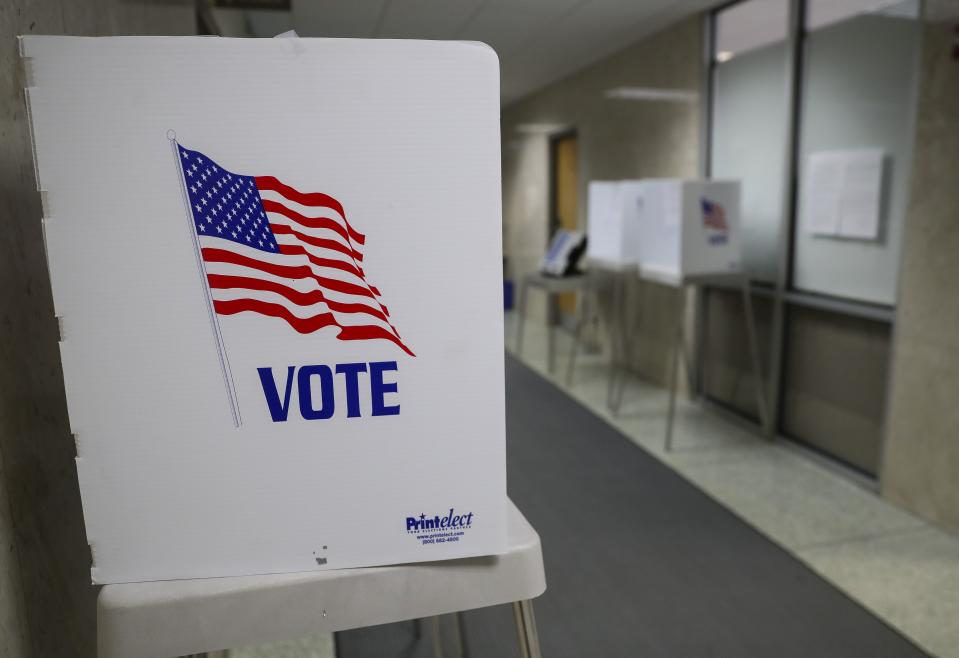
[270, 249]
[714, 216]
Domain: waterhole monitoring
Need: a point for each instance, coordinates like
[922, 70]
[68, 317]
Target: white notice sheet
[823, 190]
[843, 193]
[862, 187]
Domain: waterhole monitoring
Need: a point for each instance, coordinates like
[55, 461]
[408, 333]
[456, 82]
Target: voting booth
[270, 362]
[613, 222]
[689, 226]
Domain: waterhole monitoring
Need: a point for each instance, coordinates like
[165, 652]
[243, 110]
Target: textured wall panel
[921, 468]
[47, 605]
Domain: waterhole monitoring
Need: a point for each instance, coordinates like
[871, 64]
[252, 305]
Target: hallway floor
[639, 562]
[903, 569]
[896, 565]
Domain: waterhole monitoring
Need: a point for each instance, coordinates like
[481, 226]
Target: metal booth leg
[521, 320]
[437, 638]
[460, 635]
[613, 323]
[526, 629]
[552, 314]
[692, 381]
[437, 635]
[617, 340]
[582, 318]
[629, 332]
[678, 350]
[754, 354]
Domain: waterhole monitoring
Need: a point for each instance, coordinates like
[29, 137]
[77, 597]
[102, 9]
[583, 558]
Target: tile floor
[903, 569]
[319, 645]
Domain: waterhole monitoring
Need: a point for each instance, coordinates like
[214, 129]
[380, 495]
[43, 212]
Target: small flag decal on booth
[714, 221]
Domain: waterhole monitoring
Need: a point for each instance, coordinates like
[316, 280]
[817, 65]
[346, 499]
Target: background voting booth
[559, 273]
[257, 369]
[690, 236]
[688, 227]
[612, 253]
[613, 222]
[674, 232]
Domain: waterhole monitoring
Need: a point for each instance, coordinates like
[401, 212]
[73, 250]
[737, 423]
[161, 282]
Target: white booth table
[180, 617]
[552, 286]
[600, 276]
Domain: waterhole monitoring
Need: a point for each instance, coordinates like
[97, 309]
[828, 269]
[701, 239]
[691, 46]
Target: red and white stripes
[315, 281]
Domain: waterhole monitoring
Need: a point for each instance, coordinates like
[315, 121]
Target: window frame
[783, 292]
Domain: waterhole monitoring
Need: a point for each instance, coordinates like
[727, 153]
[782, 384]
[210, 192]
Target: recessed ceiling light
[651, 94]
[724, 56]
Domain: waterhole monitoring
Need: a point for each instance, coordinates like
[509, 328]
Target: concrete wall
[47, 605]
[617, 139]
[921, 469]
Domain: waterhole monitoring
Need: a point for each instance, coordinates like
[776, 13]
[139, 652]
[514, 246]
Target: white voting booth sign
[689, 227]
[276, 265]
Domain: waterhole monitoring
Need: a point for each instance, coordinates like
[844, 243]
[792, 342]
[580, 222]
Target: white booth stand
[612, 256]
[552, 286]
[613, 277]
[602, 276]
[682, 283]
[690, 236]
[172, 618]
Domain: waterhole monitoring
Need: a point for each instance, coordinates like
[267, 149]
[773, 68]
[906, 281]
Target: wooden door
[564, 199]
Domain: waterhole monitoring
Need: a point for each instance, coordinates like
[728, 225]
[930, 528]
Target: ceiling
[538, 41]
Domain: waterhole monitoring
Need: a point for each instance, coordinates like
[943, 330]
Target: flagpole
[214, 322]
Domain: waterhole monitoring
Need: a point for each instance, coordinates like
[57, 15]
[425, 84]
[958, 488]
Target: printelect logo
[439, 529]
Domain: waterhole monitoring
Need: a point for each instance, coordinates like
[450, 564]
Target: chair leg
[526, 629]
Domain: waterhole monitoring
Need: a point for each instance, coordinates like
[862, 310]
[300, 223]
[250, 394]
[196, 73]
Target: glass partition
[856, 122]
[750, 121]
[816, 118]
